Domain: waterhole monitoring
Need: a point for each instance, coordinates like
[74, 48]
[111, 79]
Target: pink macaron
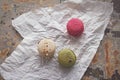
[75, 27]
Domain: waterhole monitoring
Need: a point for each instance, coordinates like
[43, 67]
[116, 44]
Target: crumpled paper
[25, 63]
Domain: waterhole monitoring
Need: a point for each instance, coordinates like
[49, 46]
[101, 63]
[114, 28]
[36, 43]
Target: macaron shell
[75, 27]
[66, 57]
[46, 48]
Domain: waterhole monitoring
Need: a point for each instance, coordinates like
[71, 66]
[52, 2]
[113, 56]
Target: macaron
[75, 27]
[66, 58]
[46, 48]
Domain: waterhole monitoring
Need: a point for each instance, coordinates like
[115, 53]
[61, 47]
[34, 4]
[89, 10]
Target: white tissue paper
[25, 63]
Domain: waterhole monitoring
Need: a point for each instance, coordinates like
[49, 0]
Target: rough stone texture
[105, 65]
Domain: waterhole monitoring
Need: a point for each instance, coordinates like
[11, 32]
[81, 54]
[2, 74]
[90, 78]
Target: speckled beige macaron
[46, 48]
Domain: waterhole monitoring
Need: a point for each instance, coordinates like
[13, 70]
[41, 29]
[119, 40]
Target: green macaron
[66, 58]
